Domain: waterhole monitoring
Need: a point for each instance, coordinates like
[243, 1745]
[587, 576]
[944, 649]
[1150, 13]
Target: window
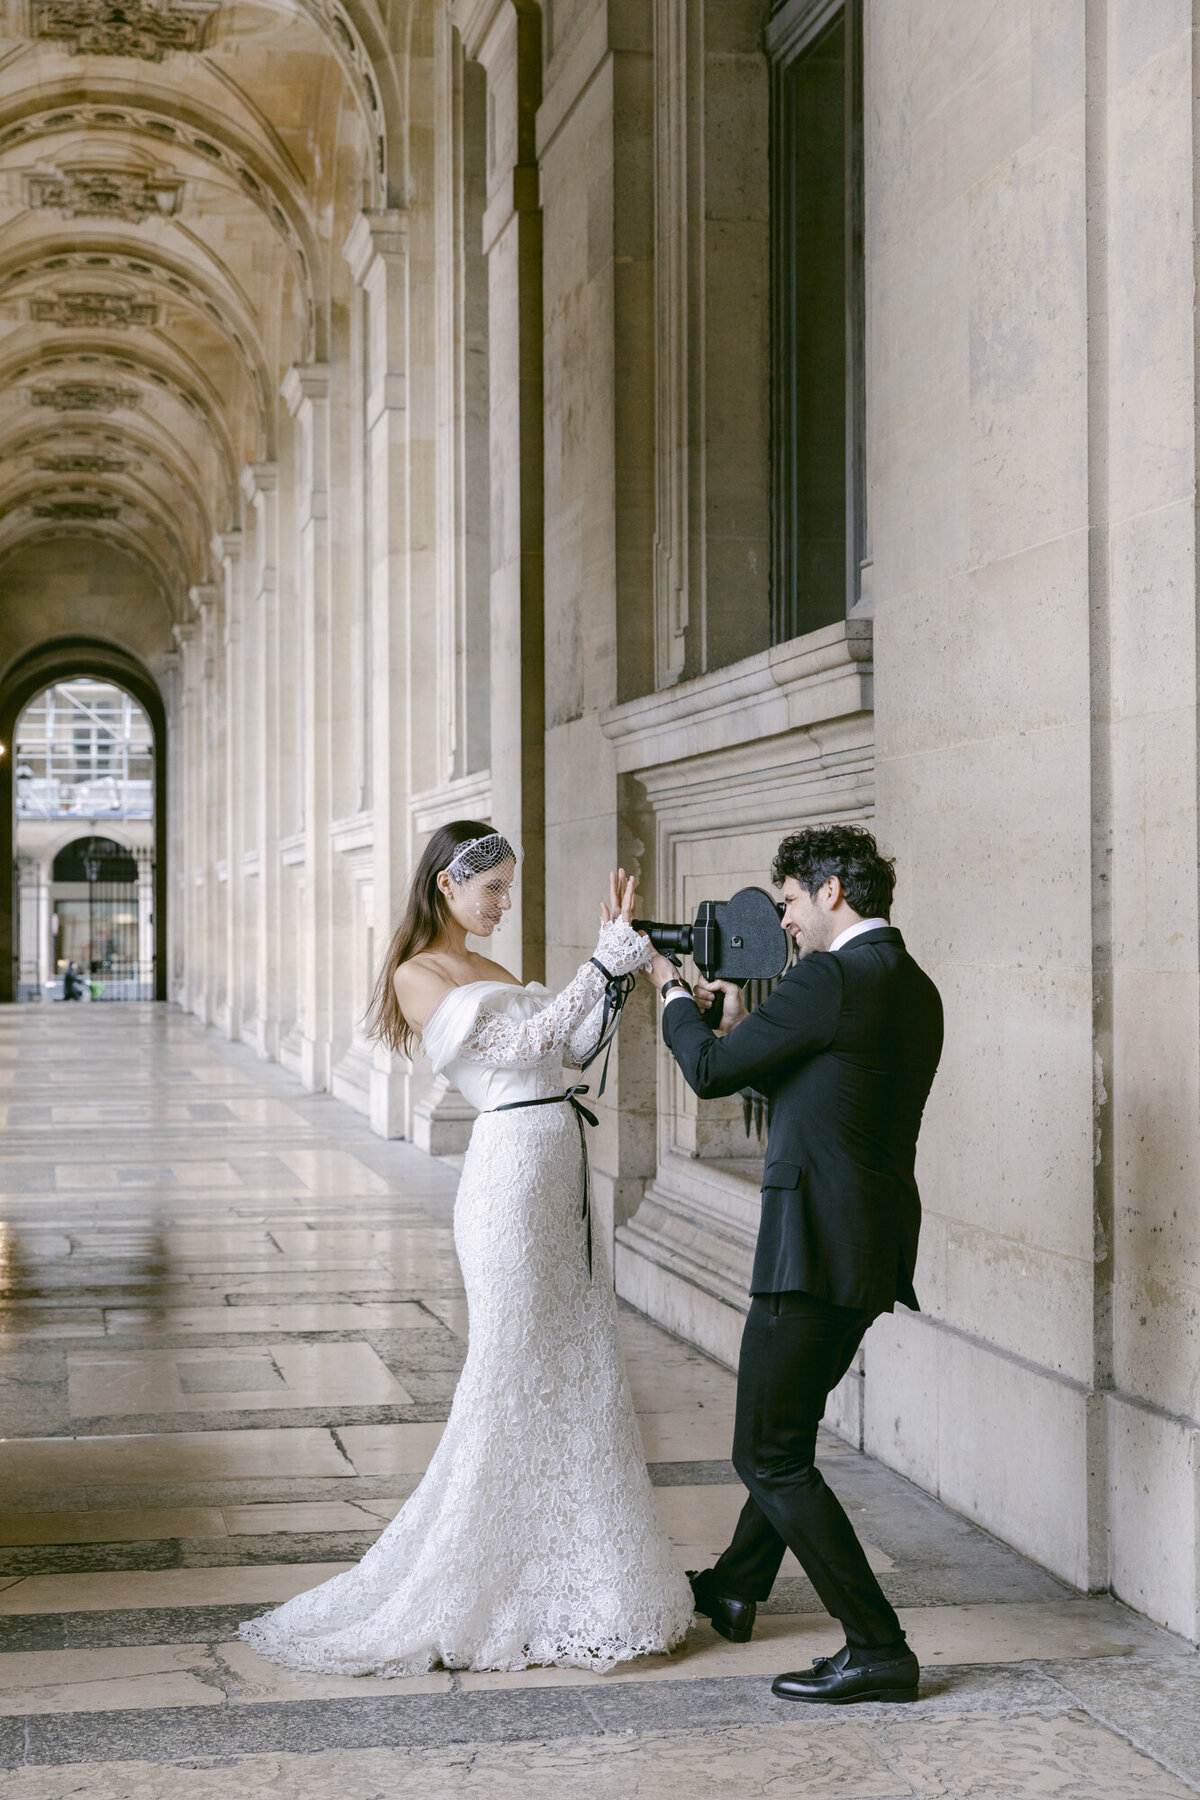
[817, 400]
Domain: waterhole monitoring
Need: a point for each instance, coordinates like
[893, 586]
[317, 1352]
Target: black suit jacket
[845, 1048]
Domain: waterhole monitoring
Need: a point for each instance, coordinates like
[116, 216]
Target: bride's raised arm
[522, 1043]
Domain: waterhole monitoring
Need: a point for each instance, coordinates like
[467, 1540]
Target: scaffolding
[84, 750]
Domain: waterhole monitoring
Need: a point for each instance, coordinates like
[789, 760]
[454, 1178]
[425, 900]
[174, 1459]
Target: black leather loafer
[734, 1619]
[836, 1681]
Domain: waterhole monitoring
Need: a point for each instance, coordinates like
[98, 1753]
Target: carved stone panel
[82, 462]
[86, 396]
[128, 194]
[117, 311]
[75, 509]
[147, 29]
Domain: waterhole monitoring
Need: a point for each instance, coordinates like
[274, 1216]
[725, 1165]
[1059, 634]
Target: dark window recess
[96, 859]
[817, 311]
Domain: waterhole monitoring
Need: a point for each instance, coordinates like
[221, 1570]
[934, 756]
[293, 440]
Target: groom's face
[807, 918]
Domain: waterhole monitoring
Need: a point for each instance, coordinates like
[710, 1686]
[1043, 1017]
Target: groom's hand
[660, 969]
[734, 1008]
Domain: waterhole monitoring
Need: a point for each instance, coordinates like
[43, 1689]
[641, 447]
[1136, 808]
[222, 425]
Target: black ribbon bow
[617, 989]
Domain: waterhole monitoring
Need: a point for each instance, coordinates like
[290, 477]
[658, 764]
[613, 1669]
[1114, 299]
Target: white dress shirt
[853, 931]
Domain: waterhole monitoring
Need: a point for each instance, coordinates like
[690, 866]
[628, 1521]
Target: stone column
[377, 253]
[505, 39]
[187, 962]
[212, 794]
[232, 775]
[306, 392]
[260, 844]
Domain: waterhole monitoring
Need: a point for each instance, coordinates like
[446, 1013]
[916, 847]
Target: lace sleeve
[523, 1043]
[586, 1035]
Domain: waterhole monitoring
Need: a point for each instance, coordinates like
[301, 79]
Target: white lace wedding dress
[533, 1537]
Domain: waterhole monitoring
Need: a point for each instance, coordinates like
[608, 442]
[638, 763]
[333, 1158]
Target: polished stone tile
[284, 1375]
[451, 1309]
[67, 1463]
[947, 1636]
[105, 1385]
[246, 1585]
[390, 1449]
[127, 1527]
[51, 1322]
[325, 1171]
[691, 1436]
[105, 1680]
[700, 1522]
[874, 1756]
[302, 1516]
[329, 1315]
[252, 1678]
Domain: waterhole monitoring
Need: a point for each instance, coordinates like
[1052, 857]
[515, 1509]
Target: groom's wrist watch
[676, 981]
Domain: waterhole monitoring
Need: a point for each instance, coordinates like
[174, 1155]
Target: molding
[258, 478]
[250, 862]
[382, 233]
[821, 677]
[470, 796]
[354, 833]
[474, 20]
[221, 870]
[587, 58]
[293, 850]
[304, 381]
[796, 24]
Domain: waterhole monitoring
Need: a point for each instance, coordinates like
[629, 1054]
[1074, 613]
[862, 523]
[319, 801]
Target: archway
[59, 662]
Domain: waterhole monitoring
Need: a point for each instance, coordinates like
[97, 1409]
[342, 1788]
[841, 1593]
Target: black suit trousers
[795, 1350]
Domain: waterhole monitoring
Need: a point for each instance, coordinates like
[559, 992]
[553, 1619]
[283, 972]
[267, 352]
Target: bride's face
[479, 904]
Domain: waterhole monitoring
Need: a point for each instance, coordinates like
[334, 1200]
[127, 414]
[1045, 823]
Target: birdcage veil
[484, 870]
[480, 856]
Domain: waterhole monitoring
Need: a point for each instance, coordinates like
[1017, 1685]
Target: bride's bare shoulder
[421, 983]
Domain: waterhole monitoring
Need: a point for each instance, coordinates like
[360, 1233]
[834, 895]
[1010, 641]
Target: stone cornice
[822, 676]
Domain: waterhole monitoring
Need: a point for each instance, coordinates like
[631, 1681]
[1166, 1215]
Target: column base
[685, 1257]
[442, 1120]
[314, 1064]
[350, 1080]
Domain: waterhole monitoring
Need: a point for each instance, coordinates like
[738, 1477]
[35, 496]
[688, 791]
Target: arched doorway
[95, 789]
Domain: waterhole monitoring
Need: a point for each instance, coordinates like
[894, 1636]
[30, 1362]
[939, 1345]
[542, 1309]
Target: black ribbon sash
[582, 1113]
[617, 989]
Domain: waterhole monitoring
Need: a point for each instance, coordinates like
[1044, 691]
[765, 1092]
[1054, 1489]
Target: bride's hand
[622, 897]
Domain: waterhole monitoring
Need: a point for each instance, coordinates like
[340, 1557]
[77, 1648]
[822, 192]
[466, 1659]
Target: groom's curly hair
[811, 856]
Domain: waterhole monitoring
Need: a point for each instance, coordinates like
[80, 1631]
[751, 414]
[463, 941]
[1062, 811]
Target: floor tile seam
[1051, 1668]
[466, 1718]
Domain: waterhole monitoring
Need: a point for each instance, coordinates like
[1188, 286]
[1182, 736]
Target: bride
[533, 1536]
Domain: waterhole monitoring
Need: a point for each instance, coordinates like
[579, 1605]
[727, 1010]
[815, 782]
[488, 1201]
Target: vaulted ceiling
[177, 178]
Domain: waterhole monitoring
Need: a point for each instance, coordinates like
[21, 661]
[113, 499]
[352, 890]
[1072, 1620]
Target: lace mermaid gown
[533, 1537]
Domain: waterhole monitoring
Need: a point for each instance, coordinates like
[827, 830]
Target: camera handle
[712, 1018]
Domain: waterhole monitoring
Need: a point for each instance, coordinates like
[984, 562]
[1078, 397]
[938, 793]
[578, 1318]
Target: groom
[845, 1048]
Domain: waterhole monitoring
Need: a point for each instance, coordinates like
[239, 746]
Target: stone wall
[1033, 529]
[430, 476]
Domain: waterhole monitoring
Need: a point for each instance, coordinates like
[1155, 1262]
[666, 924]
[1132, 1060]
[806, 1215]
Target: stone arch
[59, 660]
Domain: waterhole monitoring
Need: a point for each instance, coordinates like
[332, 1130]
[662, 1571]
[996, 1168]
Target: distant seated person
[73, 982]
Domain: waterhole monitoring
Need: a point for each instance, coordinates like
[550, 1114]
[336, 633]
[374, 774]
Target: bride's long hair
[424, 919]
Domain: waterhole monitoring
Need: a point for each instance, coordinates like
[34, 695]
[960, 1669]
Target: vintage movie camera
[729, 940]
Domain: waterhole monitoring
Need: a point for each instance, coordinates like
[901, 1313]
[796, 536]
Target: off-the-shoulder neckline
[464, 987]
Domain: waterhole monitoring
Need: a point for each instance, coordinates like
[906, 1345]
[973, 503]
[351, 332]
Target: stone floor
[230, 1331]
